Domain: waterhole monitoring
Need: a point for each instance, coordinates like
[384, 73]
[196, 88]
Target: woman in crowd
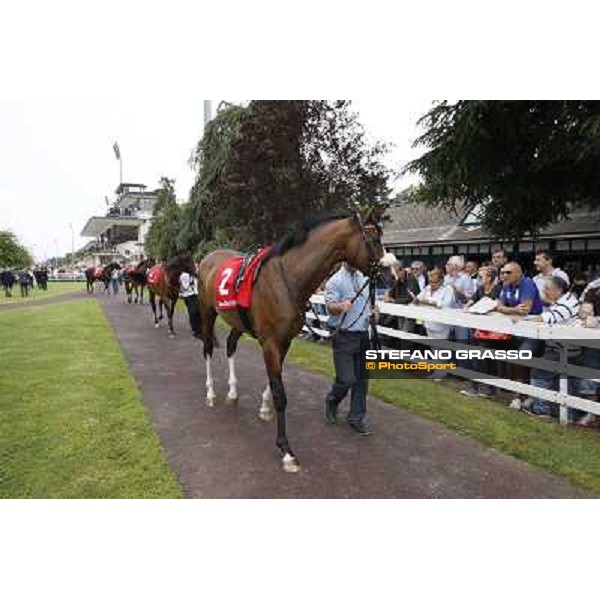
[437, 294]
[404, 289]
[489, 288]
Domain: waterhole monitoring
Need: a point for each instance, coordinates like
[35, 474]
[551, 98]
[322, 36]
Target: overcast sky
[68, 93]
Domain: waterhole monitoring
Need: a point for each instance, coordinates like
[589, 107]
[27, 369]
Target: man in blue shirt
[347, 344]
[519, 295]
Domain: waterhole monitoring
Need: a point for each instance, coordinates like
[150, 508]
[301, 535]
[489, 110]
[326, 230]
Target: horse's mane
[143, 263]
[297, 238]
[179, 261]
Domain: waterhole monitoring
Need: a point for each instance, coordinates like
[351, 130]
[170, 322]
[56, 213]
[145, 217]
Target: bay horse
[166, 286]
[135, 280]
[290, 273]
[93, 274]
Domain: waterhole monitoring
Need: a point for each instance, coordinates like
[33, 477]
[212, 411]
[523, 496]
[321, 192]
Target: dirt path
[229, 453]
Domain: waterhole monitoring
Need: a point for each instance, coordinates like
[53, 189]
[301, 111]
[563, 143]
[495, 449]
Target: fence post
[563, 385]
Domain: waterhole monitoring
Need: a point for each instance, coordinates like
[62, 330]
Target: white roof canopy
[98, 225]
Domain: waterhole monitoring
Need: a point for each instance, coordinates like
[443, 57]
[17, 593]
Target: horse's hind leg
[265, 412]
[274, 353]
[208, 317]
[152, 298]
[232, 340]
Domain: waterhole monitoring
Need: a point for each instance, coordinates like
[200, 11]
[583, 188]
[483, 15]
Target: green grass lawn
[73, 424]
[567, 451]
[55, 288]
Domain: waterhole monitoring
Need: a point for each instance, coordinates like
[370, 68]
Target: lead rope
[362, 312]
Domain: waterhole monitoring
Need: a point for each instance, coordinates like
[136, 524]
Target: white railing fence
[500, 323]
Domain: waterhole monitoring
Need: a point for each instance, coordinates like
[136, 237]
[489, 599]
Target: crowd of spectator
[548, 296]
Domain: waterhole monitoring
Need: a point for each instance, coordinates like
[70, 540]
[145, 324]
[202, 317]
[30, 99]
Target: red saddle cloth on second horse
[98, 272]
[155, 274]
[232, 295]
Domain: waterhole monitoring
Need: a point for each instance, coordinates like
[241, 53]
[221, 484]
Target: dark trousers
[349, 373]
[191, 303]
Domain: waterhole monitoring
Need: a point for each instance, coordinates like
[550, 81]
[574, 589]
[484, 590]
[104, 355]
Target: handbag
[483, 334]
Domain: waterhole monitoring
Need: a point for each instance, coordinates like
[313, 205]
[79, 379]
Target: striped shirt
[564, 310]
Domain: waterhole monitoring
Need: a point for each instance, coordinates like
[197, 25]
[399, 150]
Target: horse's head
[144, 265]
[182, 264]
[365, 248]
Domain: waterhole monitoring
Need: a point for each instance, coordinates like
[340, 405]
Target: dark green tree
[162, 239]
[12, 252]
[210, 157]
[526, 163]
[266, 168]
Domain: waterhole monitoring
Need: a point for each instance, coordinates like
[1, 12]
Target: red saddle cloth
[230, 298]
[99, 273]
[155, 274]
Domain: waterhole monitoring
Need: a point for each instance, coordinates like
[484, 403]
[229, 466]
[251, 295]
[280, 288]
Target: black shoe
[330, 412]
[361, 429]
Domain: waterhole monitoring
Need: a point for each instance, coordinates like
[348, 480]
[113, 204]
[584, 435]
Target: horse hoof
[231, 401]
[290, 464]
[210, 402]
[266, 415]
[156, 325]
[171, 334]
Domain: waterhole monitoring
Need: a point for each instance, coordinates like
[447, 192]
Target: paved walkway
[228, 452]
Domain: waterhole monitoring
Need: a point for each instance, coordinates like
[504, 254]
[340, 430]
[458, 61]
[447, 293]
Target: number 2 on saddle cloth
[235, 279]
[155, 274]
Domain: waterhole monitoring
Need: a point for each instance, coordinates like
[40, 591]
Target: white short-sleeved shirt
[540, 279]
[443, 298]
[187, 285]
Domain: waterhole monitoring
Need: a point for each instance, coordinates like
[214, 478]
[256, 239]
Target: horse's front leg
[170, 311]
[274, 353]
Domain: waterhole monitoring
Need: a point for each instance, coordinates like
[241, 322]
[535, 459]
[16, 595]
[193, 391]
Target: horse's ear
[370, 215]
[373, 214]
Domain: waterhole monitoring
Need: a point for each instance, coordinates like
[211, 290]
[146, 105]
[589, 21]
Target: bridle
[373, 268]
[373, 271]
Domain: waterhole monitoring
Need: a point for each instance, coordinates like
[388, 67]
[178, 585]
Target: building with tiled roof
[415, 231]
